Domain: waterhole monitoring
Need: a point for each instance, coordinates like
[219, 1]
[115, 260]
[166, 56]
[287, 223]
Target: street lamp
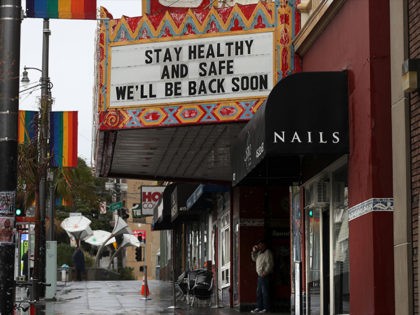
[116, 187]
[25, 77]
[43, 162]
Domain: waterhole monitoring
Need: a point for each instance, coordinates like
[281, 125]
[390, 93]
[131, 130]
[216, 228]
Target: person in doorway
[79, 262]
[25, 260]
[264, 264]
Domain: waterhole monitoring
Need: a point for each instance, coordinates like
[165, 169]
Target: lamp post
[43, 161]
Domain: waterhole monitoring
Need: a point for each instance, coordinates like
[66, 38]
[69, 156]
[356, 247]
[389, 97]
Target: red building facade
[363, 49]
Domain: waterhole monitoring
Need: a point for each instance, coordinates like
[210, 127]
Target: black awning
[162, 212]
[305, 115]
[179, 198]
[203, 197]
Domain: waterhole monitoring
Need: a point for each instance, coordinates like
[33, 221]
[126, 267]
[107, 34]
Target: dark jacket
[79, 260]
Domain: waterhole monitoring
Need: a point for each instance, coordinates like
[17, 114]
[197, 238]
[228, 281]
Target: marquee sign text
[200, 69]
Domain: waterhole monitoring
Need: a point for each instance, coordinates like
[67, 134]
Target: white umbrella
[99, 237]
[78, 226]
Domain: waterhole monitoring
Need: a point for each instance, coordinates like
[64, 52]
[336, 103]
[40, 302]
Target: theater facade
[270, 119]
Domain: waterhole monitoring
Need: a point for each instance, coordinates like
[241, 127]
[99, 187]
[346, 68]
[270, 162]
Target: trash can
[65, 273]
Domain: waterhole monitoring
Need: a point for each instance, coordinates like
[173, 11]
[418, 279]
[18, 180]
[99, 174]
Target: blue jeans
[263, 294]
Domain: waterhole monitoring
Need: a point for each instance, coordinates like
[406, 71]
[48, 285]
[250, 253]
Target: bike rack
[30, 294]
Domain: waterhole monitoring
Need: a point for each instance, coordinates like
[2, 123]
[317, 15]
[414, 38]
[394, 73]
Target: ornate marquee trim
[185, 24]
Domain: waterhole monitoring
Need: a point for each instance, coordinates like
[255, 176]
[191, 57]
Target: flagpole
[10, 23]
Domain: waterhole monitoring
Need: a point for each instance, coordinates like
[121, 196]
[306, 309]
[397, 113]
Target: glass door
[317, 282]
[327, 242]
[340, 243]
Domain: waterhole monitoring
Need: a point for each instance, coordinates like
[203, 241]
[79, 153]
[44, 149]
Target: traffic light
[19, 212]
[123, 213]
[138, 254]
[19, 207]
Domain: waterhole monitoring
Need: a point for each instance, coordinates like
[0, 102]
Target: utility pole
[10, 22]
[45, 109]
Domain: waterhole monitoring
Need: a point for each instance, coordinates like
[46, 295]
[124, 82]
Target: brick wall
[414, 52]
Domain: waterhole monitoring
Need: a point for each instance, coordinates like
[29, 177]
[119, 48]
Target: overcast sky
[71, 64]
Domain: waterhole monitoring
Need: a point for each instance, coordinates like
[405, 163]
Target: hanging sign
[150, 196]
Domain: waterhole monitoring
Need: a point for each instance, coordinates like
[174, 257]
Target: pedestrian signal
[138, 254]
[19, 212]
[123, 213]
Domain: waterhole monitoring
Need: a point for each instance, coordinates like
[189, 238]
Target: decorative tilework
[370, 205]
[178, 115]
[278, 15]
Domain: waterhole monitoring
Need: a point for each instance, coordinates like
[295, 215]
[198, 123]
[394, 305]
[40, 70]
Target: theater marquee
[206, 68]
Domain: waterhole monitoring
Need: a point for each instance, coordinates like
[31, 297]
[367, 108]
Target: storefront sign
[199, 69]
[174, 202]
[306, 114]
[150, 196]
[179, 197]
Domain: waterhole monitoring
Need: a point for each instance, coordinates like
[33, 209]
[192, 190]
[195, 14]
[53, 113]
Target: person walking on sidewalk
[264, 264]
[79, 262]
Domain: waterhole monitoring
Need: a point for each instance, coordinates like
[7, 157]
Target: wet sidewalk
[121, 297]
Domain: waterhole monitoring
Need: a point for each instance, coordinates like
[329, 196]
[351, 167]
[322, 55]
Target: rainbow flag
[63, 139]
[60, 201]
[61, 9]
[27, 126]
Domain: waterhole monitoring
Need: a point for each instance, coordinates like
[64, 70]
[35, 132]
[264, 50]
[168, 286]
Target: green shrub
[64, 254]
[126, 273]
[89, 260]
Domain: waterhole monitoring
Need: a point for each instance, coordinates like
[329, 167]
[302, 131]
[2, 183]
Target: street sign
[115, 206]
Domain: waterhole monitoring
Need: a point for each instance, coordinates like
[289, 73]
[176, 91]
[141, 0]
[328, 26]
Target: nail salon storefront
[295, 150]
[325, 134]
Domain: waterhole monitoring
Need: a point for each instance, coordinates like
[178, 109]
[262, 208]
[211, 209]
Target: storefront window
[197, 243]
[225, 250]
